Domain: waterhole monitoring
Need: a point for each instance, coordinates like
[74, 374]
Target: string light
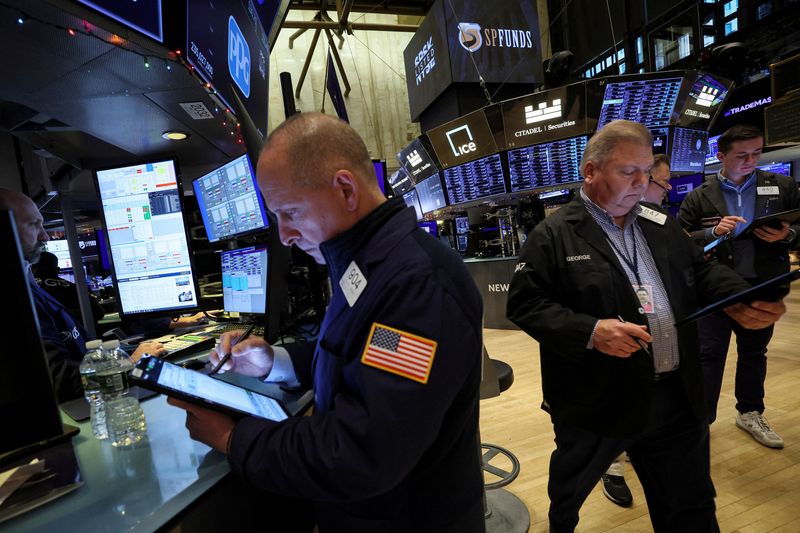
[146, 62]
[71, 32]
[20, 20]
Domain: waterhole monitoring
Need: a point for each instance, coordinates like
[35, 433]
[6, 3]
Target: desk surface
[134, 489]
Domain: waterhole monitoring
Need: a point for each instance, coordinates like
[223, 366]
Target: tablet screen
[193, 383]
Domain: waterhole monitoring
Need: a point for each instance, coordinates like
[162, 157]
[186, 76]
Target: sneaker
[616, 490]
[754, 423]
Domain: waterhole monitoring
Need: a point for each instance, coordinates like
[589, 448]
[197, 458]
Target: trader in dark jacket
[392, 445]
[725, 205]
[614, 376]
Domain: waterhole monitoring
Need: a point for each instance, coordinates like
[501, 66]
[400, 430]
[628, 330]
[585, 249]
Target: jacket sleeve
[690, 217]
[792, 196]
[302, 354]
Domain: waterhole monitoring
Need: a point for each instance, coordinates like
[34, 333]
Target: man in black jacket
[725, 205]
[392, 444]
[615, 377]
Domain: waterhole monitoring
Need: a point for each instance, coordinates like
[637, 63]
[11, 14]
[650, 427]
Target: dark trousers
[751, 363]
[671, 457]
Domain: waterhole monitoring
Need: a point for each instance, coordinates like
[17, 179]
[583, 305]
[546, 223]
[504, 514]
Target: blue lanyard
[634, 264]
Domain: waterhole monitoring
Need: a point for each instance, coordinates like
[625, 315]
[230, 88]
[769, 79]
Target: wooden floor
[758, 488]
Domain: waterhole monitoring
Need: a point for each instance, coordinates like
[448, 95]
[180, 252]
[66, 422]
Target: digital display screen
[462, 140]
[546, 164]
[703, 102]
[400, 182]
[688, 150]
[474, 180]
[649, 102]
[142, 211]
[143, 16]
[427, 62]
[416, 161]
[430, 227]
[228, 47]
[229, 201]
[461, 243]
[683, 185]
[713, 148]
[660, 140]
[244, 280]
[431, 194]
[380, 174]
[777, 168]
[553, 194]
[412, 200]
[198, 385]
[105, 256]
[545, 116]
[462, 225]
[60, 249]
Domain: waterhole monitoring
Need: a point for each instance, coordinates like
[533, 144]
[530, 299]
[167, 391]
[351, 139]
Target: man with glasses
[659, 186]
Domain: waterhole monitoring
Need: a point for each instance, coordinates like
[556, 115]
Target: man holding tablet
[392, 444]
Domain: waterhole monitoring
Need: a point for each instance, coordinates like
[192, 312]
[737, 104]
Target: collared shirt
[661, 323]
[740, 200]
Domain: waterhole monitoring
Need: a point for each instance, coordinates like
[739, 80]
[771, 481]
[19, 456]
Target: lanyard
[633, 265]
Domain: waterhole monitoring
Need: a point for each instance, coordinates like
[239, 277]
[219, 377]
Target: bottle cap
[93, 345]
[110, 345]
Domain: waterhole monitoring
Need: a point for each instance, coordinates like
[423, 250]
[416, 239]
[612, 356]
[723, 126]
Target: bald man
[62, 334]
[392, 445]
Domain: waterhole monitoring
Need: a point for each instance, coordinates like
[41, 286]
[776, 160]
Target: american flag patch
[399, 352]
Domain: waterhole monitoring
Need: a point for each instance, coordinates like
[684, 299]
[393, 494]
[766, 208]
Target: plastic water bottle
[124, 416]
[94, 360]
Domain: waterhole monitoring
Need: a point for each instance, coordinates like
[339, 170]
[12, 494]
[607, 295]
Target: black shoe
[616, 490]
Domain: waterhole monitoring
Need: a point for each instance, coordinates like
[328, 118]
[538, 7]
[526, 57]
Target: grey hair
[604, 141]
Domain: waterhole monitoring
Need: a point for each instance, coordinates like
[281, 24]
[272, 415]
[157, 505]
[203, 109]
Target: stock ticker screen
[688, 150]
[649, 102]
[474, 180]
[548, 164]
[430, 194]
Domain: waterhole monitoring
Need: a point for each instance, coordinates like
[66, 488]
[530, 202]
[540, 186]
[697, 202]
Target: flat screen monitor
[683, 185]
[143, 16]
[557, 194]
[412, 200]
[462, 140]
[416, 161]
[545, 116]
[476, 179]
[244, 280]
[430, 227]
[647, 101]
[713, 148]
[546, 165]
[462, 225]
[777, 168]
[431, 194]
[102, 248]
[143, 215]
[688, 150]
[380, 173]
[229, 201]
[660, 140]
[400, 182]
[60, 249]
[704, 100]
[461, 243]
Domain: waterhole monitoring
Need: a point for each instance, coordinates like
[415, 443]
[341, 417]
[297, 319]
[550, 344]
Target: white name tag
[768, 191]
[653, 215]
[353, 283]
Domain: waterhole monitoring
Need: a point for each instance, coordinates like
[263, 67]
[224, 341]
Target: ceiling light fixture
[175, 135]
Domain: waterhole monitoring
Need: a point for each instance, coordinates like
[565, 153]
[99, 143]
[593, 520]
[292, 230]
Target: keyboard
[258, 331]
[189, 343]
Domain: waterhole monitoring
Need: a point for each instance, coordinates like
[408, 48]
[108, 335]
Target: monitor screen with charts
[476, 179]
[412, 200]
[244, 280]
[647, 101]
[142, 213]
[430, 194]
[546, 165]
[229, 200]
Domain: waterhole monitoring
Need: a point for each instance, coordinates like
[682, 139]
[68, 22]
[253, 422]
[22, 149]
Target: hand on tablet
[756, 315]
[727, 225]
[251, 357]
[768, 234]
[207, 426]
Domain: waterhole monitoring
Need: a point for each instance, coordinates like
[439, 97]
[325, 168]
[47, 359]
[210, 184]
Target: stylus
[639, 341]
[228, 355]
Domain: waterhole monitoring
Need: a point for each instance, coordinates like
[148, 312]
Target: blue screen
[778, 168]
[430, 227]
[143, 16]
[244, 280]
[683, 185]
[713, 148]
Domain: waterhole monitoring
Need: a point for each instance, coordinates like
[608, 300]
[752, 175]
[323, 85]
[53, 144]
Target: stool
[503, 511]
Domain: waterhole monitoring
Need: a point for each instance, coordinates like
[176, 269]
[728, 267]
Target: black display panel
[400, 182]
[548, 164]
[688, 150]
[683, 185]
[430, 194]
[476, 179]
[416, 161]
[545, 116]
[228, 47]
[660, 140]
[704, 101]
[465, 139]
[143, 16]
[647, 101]
[427, 62]
[412, 200]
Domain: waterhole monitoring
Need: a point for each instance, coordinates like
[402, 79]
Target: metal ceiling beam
[350, 27]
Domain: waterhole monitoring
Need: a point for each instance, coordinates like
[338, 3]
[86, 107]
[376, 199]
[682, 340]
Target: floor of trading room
[758, 488]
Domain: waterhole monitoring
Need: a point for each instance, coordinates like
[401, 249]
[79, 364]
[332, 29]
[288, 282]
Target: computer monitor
[412, 200]
[683, 185]
[150, 259]
[229, 201]
[647, 101]
[60, 249]
[688, 149]
[431, 194]
[102, 248]
[474, 180]
[461, 243]
[244, 280]
[380, 173]
[430, 227]
[712, 149]
[777, 168]
[400, 182]
[462, 225]
[546, 165]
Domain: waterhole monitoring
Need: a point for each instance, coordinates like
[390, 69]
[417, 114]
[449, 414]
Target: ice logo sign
[238, 57]
[461, 140]
[469, 35]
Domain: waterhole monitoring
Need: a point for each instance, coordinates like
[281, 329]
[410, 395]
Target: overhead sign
[416, 162]
[704, 101]
[462, 140]
[427, 62]
[545, 116]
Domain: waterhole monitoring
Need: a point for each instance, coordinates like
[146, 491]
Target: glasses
[653, 180]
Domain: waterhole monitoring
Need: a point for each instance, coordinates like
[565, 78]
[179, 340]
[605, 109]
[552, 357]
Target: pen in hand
[228, 355]
[640, 342]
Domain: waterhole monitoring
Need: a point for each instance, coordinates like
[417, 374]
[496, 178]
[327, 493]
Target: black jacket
[383, 452]
[567, 278]
[707, 202]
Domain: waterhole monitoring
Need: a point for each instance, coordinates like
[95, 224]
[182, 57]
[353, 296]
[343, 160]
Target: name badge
[353, 283]
[768, 191]
[653, 216]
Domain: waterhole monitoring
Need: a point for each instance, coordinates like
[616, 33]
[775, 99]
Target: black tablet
[774, 220]
[196, 387]
[770, 291]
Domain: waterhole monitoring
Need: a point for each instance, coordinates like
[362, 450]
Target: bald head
[28, 220]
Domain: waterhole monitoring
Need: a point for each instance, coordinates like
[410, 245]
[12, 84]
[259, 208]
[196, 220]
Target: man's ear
[347, 187]
[588, 171]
